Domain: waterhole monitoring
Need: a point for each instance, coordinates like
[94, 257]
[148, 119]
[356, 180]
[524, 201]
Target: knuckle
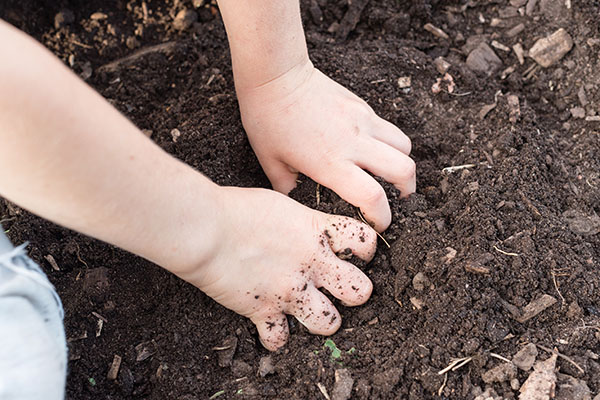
[373, 194]
[409, 169]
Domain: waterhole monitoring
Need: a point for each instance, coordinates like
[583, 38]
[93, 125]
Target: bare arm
[68, 156]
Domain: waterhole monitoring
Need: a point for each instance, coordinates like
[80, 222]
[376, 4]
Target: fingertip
[273, 331]
[316, 312]
[348, 233]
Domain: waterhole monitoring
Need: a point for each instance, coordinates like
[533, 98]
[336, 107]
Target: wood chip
[485, 110]
[515, 109]
[435, 31]
[535, 307]
[52, 262]
[519, 52]
[549, 50]
[515, 30]
[113, 372]
[500, 46]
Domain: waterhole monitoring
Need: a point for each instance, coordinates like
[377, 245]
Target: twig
[468, 360]
[166, 47]
[85, 46]
[443, 385]
[323, 390]
[506, 253]
[499, 357]
[457, 168]
[566, 358]
[458, 94]
[79, 256]
[365, 221]
[454, 363]
[556, 286]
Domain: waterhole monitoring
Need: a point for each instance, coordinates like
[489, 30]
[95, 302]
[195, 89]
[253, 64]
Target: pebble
[582, 223]
[525, 357]
[417, 303]
[63, 17]
[441, 65]
[265, 366]
[241, 368]
[420, 281]
[500, 373]
[175, 133]
[404, 82]
[185, 19]
[483, 59]
[549, 50]
[570, 388]
[98, 16]
[342, 388]
[578, 112]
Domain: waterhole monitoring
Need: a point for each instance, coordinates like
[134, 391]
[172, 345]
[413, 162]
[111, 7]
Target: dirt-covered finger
[347, 235]
[273, 330]
[314, 310]
[343, 280]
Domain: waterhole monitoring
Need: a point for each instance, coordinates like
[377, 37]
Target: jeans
[33, 351]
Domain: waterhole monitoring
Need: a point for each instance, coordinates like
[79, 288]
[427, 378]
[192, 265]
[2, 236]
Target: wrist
[192, 241]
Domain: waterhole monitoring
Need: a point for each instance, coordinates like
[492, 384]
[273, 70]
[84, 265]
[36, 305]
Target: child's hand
[274, 254]
[304, 121]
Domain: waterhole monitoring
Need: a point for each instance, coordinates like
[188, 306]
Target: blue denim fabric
[33, 351]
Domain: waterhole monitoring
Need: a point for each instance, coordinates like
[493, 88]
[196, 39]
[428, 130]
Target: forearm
[68, 156]
[266, 40]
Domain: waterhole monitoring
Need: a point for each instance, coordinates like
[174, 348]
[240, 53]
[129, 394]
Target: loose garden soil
[517, 220]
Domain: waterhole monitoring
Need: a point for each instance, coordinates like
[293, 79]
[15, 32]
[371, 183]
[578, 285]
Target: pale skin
[70, 157]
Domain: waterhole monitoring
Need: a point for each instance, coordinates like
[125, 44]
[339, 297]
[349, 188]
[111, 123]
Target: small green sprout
[335, 352]
[214, 396]
[240, 391]
[92, 381]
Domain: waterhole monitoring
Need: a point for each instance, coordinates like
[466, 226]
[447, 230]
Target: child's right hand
[272, 256]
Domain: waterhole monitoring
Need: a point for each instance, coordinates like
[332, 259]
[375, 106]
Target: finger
[392, 165]
[314, 310]
[390, 134]
[282, 177]
[273, 330]
[359, 189]
[347, 233]
[344, 281]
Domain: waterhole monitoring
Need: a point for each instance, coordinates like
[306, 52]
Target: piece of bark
[535, 307]
[351, 18]
[113, 372]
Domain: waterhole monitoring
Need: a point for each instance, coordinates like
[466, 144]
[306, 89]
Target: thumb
[282, 177]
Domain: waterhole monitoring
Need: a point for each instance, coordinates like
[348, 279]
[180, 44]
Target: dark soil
[520, 223]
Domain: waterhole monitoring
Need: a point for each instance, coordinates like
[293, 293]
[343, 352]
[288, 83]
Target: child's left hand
[305, 122]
